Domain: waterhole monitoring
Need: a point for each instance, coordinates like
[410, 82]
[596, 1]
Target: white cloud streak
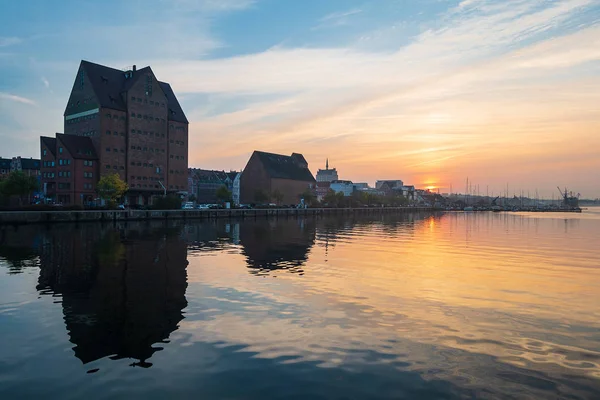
[18, 99]
[9, 41]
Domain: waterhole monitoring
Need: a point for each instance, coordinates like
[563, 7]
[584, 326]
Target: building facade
[345, 187]
[324, 178]
[136, 127]
[267, 174]
[204, 183]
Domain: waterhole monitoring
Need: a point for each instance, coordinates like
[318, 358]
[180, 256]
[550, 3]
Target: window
[139, 148]
[133, 114]
[45, 152]
[133, 131]
[123, 134]
[171, 156]
[122, 150]
[52, 162]
[145, 164]
[132, 98]
[133, 163]
[108, 115]
[108, 149]
[139, 116]
[121, 167]
[108, 132]
[60, 161]
[116, 133]
[90, 163]
[139, 132]
[60, 149]
[108, 167]
[114, 167]
[132, 147]
[116, 150]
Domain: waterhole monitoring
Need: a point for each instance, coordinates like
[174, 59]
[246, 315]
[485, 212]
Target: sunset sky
[427, 91]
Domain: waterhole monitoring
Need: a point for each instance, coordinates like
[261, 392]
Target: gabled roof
[285, 167]
[50, 143]
[30, 163]
[80, 147]
[109, 84]
[175, 111]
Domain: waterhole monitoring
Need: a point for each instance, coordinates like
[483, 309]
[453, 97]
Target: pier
[46, 217]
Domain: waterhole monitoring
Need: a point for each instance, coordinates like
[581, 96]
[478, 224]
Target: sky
[428, 91]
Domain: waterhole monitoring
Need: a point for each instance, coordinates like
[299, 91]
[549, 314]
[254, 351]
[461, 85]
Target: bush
[169, 202]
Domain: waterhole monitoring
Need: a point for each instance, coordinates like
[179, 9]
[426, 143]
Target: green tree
[111, 188]
[18, 184]
[277, 197]
[223, 194]
[260, 196]
[330, 198]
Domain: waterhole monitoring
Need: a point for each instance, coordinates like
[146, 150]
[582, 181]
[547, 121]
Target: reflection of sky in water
[446, 306]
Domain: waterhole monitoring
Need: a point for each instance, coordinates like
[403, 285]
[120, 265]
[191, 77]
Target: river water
[415, 306]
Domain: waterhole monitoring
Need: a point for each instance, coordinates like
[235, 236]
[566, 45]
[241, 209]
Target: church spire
[327, 163]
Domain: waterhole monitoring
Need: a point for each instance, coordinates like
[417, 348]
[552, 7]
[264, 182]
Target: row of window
[88, 163]
[62, 161]
[88, 133]
[116, 133]
[87, 186]
[140, 164]
[147, 117]
[175, 187]
[150, 133]
[114, 167]
[115, 150]
[177, 142]
[64, 174]
[115, 116]
[152, 102]
[178, 157]
[88, 174]
[146, 178]
[177, 172]
[48, 163]
[64, 185]
[48, 175]
[151, 149]
[139, 185]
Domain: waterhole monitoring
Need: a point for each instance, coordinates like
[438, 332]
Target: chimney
[134, 67]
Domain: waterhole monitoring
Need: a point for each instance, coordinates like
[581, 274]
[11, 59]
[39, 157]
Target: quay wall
[44, 217]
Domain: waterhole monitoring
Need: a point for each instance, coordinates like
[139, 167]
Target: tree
[277, 196]
[309, 197]
[18, 184]
[223, 194]
[330, 198]
[260, 196]
[111, 188]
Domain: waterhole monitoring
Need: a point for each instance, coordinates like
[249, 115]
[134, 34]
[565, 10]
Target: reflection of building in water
[122, 289]
[277, 244]
[19, 247]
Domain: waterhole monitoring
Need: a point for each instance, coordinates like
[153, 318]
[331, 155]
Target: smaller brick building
[69, 169]
[267, 173]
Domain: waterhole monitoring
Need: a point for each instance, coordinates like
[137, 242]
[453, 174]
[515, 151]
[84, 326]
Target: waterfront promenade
[41, 217]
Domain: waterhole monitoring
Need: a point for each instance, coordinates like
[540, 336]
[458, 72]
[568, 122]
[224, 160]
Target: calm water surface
[456, 305]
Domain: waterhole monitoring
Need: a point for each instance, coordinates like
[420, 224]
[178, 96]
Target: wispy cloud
[9, 41]
[18, 99]
[337, 19]
[45, 82]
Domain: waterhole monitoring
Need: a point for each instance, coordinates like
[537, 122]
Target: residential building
[345, 187]
[268, 173]
[203, 183]
[361, 186]
[235, 190]
[389, 184]
[136, 127]
[5, 165]
[28, 166]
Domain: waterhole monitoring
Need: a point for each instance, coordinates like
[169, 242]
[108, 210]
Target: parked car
[121, 206]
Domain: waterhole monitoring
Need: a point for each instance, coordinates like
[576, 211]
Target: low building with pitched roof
[268, 173]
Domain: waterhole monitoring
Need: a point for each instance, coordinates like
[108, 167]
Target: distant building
[361, 186]
[28, 166]
[235, 190]
[327, 175]
[389, 184]
[137, 129]
[268, 173]
[345, 187]
[324, 178]
[4, 167]
[204, 183]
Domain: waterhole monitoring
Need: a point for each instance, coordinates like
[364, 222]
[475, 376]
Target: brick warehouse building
[126, 122]
[268, 173]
